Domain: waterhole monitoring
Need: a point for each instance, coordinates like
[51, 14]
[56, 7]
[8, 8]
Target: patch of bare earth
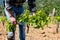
[49, 33]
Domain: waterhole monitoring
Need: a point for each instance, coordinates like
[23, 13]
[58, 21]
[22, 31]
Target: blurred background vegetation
[47, 5]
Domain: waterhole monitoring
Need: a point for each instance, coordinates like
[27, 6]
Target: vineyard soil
[49, 33]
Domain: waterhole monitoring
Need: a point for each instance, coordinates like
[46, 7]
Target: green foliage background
[46, 5]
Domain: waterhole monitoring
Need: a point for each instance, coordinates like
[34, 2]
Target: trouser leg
[22, 31]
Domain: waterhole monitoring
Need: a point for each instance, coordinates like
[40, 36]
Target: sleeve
[7, 4]
[32, 5]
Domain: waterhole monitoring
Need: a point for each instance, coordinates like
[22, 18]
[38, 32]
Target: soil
[49, 33]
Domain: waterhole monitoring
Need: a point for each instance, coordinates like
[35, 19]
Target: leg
[19, 11]
[11, 35]
[22, 31]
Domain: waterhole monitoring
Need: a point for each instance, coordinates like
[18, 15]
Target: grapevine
[58, 20]
[9, 26]
[39, 20]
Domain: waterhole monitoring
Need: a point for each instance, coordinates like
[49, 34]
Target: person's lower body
[11, 35]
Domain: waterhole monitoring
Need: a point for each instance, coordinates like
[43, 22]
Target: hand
[13, 20]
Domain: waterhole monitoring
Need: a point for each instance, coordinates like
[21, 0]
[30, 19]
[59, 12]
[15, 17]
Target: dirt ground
[49, 33]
